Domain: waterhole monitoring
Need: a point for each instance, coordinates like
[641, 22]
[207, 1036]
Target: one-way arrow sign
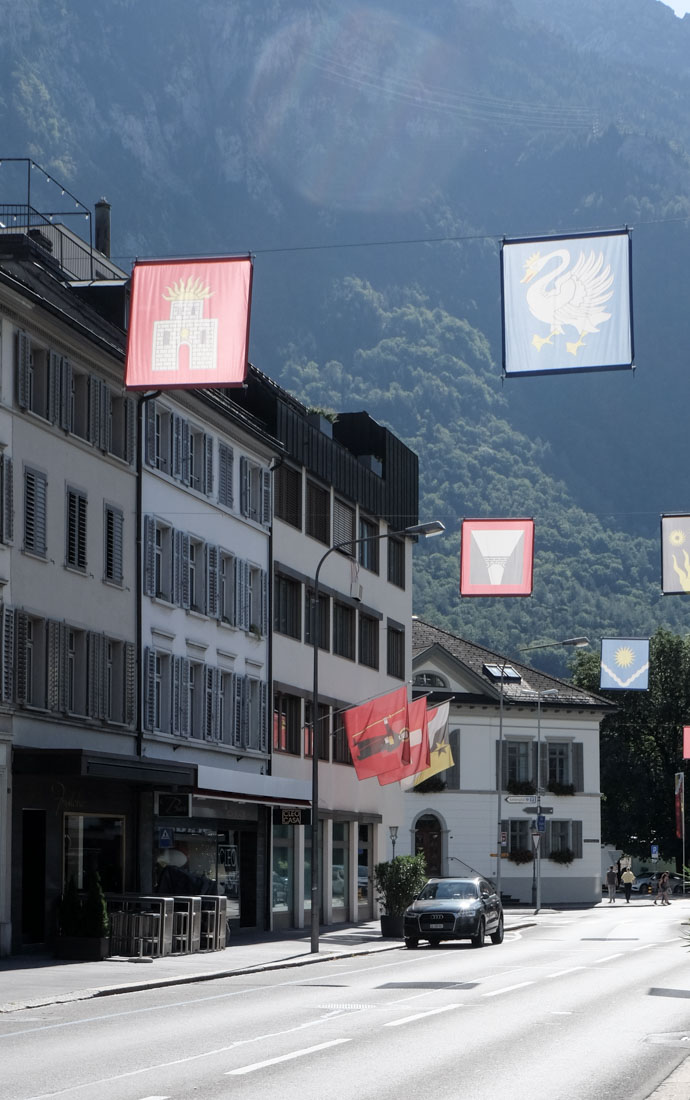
[542, 810]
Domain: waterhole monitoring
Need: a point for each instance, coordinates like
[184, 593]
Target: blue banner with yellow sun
[675, 553]
[624, 664]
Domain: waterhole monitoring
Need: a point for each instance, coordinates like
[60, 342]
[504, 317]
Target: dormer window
[502, 672]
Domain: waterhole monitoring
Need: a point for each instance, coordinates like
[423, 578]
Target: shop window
[340, 870]
[95, 844]
[364, 868]
[283, 869]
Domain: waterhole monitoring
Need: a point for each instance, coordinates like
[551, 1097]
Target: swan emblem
[572, 297]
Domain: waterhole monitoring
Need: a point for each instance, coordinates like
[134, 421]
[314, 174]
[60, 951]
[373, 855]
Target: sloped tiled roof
[474, 657]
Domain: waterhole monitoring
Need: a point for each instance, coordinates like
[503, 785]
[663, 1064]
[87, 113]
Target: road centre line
[570, 970]
[608, 958]
[420, 1015]
[507, 989]
[286, 1057]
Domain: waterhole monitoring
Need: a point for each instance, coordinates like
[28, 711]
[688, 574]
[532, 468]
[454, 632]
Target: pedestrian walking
[627, 878]
[612, 882]
[664, 888]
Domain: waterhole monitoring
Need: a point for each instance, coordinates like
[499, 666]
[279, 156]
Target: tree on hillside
[641, 748]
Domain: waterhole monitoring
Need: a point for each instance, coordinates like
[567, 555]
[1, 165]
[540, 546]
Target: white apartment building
[549, 729]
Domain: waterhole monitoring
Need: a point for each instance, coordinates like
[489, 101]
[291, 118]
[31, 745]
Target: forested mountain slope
[372, 157]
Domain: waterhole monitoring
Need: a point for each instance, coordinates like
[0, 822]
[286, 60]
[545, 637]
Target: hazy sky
[680, 7]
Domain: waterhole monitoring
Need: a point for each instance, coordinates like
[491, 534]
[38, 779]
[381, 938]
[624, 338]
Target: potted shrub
[84, 924]
[397, 883]
[560, 788]
[521, 786]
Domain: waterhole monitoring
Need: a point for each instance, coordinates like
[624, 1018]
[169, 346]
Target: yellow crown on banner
[192, 289]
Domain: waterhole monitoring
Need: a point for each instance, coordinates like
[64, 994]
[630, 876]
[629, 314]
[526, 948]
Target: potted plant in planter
[521, 855]
[397, 883]
[563, 855]
[84, 925]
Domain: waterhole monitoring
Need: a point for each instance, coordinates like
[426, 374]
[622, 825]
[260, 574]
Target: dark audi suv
[454, 909]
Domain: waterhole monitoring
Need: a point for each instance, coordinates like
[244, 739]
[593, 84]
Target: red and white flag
[414, 745]
[373, 732]
[440, 754]
[189, 323]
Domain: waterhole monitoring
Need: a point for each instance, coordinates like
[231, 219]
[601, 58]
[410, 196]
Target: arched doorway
[427, 841]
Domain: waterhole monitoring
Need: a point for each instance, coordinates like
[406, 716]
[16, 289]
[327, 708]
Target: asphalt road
[593, 1004]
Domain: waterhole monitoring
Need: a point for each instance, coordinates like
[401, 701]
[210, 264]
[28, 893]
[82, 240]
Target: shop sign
[291, 815]
[169, 804]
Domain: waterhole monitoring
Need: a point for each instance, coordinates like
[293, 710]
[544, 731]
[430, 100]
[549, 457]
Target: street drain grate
[671, 1038]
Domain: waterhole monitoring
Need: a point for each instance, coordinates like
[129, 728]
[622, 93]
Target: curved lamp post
[426, 530]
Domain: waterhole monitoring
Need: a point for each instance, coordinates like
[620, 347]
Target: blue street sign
[655, 851]
[541, 823]
[166, 838]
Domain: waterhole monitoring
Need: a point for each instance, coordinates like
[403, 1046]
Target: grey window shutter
[546, 841]
[263, 718]
[264, 602]
[95, 411]
[184, 551]
[149, 688]
[150, 433]
[54, 387]
[185, 470]
[7, 517]
[505, 763]
[130, 440]
[185, 715]
[225, 473]
[130, 683]
[114, 524]
[149, 556]
[8, 662]
[576, 837]
[212, 581]
[175, 694]
[106, 418]
[180, 585]
[578, 766]
[237, 726]
[266, 497]
[244, 486]
[176, 470]
[65, 395]
[544, 764]
[20, 627]
[209, 698]
[53, 665]
[23, 364]
[35, 496]
[96, 649]
[208, 465]
[63, 650]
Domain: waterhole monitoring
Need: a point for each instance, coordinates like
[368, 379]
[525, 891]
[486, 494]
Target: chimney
[103, 226]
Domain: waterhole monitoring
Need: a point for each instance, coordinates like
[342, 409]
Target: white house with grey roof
[470, 815]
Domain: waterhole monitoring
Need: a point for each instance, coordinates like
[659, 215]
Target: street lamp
[576, 643]
[393, 830]
[426, 530]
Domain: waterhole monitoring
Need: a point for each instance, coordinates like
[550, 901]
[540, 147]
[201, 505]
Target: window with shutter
[23, 371]
[114, 543]
[151, 701]
[343, 526]
[225, 475]
[318, 517]
[244, 486]
[227, 589]
[35, 498]
[6, 499]
[266, 497]
[226, 706]
[208, 465]
[288, 495]
[212, 606]
[7, 644]
[75, 538]
[130, 683]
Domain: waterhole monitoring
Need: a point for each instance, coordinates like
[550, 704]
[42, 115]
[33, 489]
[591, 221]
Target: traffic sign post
[537, 809]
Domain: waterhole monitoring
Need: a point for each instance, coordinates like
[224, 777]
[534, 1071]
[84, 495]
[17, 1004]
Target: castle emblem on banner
[187, 334]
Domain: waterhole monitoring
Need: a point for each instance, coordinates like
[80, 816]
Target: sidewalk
[32, 981]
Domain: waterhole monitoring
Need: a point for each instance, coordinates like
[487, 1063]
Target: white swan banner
[567, 304]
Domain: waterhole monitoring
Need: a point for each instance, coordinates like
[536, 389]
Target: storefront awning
[79, 763]
[272, 790]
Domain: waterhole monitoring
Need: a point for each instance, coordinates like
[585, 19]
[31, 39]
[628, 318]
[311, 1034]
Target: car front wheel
[478, 940]
[497, 936]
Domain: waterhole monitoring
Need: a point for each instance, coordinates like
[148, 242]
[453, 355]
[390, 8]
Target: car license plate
[436, 924]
